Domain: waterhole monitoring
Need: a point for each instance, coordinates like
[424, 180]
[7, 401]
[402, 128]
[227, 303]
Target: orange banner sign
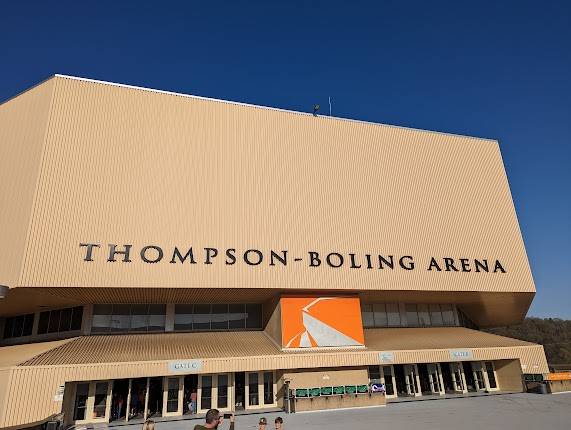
[559, 376]
[321, 322]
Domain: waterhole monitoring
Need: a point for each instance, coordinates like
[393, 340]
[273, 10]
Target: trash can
[543, 388]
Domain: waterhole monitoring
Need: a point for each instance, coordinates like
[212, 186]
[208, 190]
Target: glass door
[269, 396]
[434, 378]
[80, 404]
[491, 374]
[92, 403]
[173, 395]
[479, 379]
[223, 391]
[101, 401]
[388, 378]
[458, 381]
[253, 390]
[411, 380]
[205, 393]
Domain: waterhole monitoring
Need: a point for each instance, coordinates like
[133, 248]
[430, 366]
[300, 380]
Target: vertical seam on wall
[24, 260]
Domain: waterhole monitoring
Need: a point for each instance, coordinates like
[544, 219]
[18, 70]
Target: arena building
[162, 254]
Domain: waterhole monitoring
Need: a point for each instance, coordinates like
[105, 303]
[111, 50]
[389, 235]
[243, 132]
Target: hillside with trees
[553, 333]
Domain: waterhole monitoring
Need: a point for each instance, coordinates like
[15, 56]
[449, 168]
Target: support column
[146, 399]
[87, 319]
[36, 323]
[169, 318]
[128, 405]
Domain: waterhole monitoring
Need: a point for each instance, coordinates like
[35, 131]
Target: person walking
[213, 420]
[262, 423]
[278, 423]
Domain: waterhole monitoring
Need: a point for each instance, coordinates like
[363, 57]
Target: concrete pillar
[169, 319]
[87, 319]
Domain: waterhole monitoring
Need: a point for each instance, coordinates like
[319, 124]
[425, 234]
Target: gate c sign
[188, 366]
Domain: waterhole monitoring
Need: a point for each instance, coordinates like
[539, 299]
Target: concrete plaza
[505, 411]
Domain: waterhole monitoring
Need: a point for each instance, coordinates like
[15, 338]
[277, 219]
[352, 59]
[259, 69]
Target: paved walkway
[506, 411]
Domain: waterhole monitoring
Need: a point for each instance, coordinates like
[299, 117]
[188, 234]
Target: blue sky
[490, 69]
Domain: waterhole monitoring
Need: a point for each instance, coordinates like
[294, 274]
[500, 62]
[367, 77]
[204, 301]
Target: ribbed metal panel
[23, 123]
[125, 165]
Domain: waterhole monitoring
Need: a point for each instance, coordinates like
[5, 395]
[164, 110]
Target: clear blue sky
[491, 69]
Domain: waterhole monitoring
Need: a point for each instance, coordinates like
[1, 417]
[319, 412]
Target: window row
[188, 317]
[417, 315]
[18, 326]
[128, 318]
[218, 317]
[60, 320]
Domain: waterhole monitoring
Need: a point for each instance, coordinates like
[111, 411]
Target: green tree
[553, 333]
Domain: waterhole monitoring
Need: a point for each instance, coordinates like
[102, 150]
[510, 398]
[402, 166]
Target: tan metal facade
[91, 162]
[23, 126]
[142, 167]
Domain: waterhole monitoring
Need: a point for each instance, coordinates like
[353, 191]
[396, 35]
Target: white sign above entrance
[386, 357]
[461, 354]
[187, 366]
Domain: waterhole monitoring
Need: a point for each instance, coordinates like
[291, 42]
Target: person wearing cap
[262, 423]
[278, 422]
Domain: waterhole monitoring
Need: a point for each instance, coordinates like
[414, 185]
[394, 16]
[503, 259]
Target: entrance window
[201, 318]
[380, 315]
[157, 317]
[237, 316]
[423, 316]
[447, 315]
[206, 395]
[183, 317]
[367, 316]
[222, 391]
[268, 388]
[123, 318]
[219, 317]
[253, 399]
[120, 320]
[491, 375]
[374, 374]
[253, 316]
[100, 404]
[81, 395]
[172, 395]
[435, 315]
[393, 314]
[140, 318]
[412, 315]
[18, 326]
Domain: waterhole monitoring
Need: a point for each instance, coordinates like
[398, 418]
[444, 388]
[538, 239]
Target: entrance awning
[255, 344]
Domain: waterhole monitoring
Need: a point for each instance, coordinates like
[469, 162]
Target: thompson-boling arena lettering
[152, 254]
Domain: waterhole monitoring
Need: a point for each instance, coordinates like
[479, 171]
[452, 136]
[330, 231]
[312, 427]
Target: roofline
[172, 93]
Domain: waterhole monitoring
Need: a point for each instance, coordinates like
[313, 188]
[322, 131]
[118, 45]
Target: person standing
[213, 420]
[278, 423]
[193, 397]
[262, 424]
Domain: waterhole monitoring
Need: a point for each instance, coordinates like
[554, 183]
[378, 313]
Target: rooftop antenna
[329, 105]
[315, 109]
